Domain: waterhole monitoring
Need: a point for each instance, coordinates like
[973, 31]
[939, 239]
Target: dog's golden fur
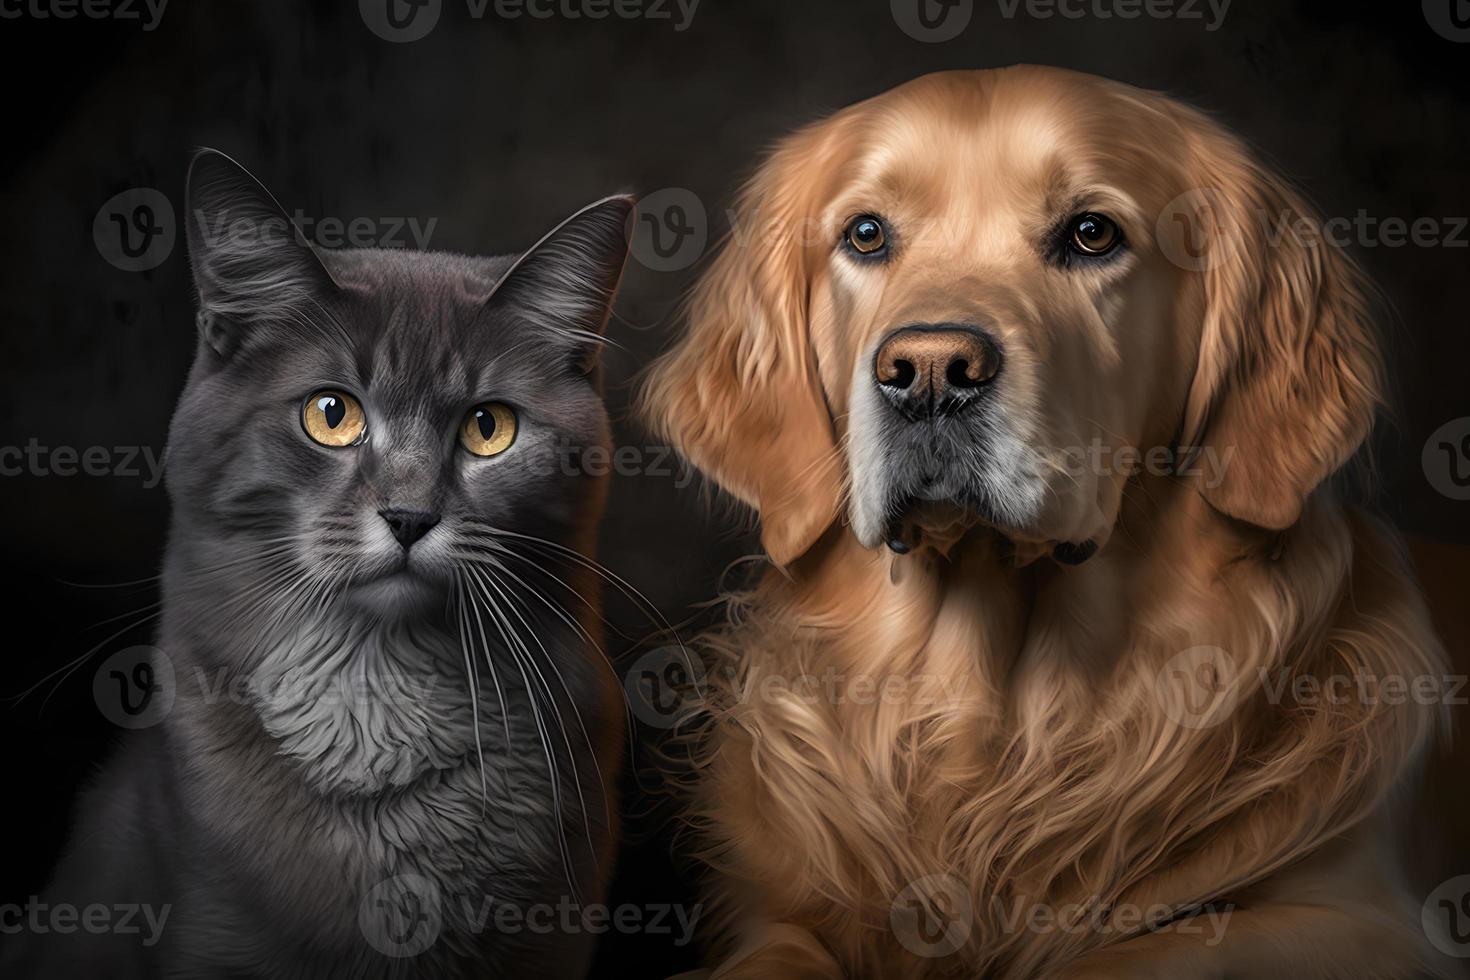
[977, 712]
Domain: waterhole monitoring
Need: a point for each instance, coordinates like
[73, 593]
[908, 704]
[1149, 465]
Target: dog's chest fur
[1012, 754]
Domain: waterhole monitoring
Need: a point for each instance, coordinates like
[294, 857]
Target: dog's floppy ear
[739, 395]
[1289, 374]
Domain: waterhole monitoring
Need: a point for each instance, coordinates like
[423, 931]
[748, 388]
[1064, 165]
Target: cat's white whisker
[512, 606]
[553, 770]
[69, 668]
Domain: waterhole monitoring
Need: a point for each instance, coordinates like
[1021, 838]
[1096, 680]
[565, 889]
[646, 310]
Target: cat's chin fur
[365, 705]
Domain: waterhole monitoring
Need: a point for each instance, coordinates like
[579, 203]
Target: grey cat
[393, 732]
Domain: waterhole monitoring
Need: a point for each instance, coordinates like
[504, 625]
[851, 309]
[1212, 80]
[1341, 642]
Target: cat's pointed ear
[251, 263]
[568, 279]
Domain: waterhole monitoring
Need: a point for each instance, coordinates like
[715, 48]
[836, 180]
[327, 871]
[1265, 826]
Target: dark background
[497, 128]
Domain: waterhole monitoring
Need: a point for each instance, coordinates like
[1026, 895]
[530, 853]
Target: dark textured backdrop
[494, 128]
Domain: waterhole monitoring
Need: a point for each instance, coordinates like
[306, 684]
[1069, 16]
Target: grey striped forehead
[416, 316]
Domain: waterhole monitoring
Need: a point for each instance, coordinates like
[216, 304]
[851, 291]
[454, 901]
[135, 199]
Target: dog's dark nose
[929, 370]
[408, 525]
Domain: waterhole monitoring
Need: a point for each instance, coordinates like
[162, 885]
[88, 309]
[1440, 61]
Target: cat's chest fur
[345, 761]
[361, 708]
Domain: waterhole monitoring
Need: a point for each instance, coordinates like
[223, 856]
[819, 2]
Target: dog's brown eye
[333, 418]
[866, 235]
[1094, 234]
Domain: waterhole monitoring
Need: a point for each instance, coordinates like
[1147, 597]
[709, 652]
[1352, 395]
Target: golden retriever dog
[1071, 661]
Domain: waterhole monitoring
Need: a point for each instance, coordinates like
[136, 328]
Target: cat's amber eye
[333, 418]
[488, 429]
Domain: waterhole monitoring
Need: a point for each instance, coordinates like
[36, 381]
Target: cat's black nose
[408, 525]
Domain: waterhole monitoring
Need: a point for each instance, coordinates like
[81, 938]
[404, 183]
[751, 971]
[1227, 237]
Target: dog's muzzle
[931, 376]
